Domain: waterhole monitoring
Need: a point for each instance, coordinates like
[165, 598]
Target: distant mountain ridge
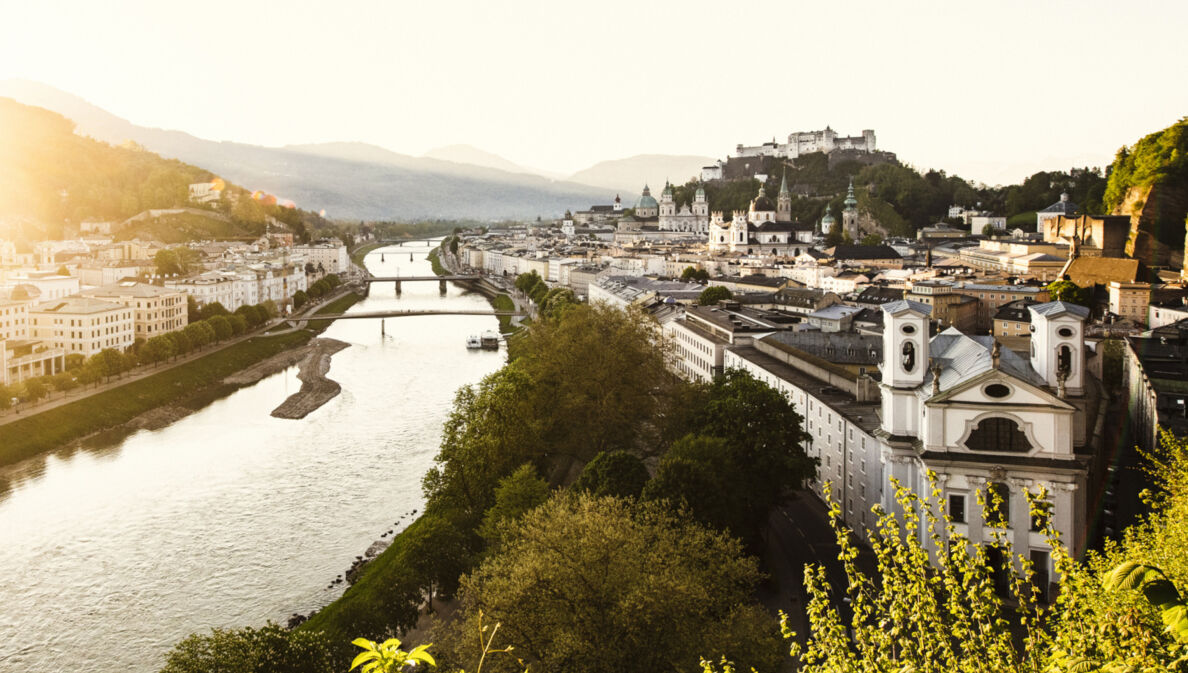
[349, 180]
[629, 175]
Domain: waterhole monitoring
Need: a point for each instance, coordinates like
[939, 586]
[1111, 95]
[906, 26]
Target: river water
[230, 517]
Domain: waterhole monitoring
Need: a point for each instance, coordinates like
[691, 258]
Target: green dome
[646, 200]
[828, 219]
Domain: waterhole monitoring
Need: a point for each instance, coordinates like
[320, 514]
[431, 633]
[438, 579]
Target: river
[230, 517]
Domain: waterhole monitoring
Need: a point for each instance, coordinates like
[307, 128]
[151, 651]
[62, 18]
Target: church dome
[646, 200]
[827, 220]
[762, 203]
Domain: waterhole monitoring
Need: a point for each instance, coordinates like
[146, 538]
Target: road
[798, 533]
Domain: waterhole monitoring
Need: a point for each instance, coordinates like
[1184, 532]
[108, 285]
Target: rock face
[316, 389]
[1157, 227]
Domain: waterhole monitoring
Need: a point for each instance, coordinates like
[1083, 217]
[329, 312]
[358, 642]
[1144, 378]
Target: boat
[474, 342]
[490, 341]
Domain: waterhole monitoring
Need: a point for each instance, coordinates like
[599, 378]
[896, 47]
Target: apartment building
[83, 325]
[157, 310]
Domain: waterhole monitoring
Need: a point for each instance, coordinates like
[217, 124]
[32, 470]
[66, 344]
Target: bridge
[402, 241]
[363, 315]
[441, 280]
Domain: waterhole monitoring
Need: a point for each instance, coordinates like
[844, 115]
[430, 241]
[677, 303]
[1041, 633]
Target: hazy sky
[991, 90]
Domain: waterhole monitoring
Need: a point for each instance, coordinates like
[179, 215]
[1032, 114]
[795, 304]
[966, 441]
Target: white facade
[83, 326]
[331, 255]
[698, 356]
[807, 142]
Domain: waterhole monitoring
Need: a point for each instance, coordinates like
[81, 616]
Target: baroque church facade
[693, 219]
[764, 228]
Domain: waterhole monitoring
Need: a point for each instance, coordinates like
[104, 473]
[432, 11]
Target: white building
[51, 284]
[84, 326]
[807, 142]
[329, 254]
[691, 218]
[156, 310]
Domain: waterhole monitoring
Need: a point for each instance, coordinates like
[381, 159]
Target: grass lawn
[191, 381]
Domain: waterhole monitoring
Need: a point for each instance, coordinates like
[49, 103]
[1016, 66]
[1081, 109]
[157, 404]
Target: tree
[438, 552]
[714, 294]
[221, 326]
[693, 274]
[35, 389]
[110, 362]
[253, 314]
[177, 261]
[159, 348]
[618, 473]
[211, 310]
[238, 324]
[317, 289]
[871, 239]
[333, 280]
[516, 495]
[269, 649]
[193, 312]
[588, 584]
[63, 382]
[180, 340]
[1068, 291]
[5, 397]
[555, 301]
[299, 299]
[698, 475]
[74, 361]
[196, 335]
[454, 245]
[63, 271]
[988, 230]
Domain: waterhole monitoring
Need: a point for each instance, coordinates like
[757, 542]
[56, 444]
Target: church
[693, 219]
[983, 418]
[765, 228]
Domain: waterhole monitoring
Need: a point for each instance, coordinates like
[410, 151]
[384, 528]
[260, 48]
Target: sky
[992, 91]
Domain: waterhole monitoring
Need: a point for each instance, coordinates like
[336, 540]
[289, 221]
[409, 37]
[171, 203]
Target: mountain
[469, 154]
[1149, 182]
[348, 180]
[631, 174]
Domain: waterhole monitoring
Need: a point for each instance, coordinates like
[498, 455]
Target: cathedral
[765, 228]
[693, 220]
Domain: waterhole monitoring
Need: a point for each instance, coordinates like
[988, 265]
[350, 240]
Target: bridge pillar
[441, 286]
[397, 287]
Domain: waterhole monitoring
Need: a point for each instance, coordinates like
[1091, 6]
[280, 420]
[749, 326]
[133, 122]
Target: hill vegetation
[55, 179]
[1149, 181]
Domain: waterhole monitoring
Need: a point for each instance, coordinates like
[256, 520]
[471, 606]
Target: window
[997, 434]
[998, 504]
[957, 508]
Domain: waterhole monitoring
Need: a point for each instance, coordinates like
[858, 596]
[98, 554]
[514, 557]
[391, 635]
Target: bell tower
[905, 364]
[784, 200]
[1058, 345]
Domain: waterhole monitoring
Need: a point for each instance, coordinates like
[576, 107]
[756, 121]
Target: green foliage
[589, 584]
[437, 552]
[871, 239]
[516, 495]
[56, 427]
[532, 285]
[159, 348]
[6, 395]
[387, 657]
[1068, 291]
[691, 274]
[221, 326]
[211, 310]
[193, 312]
[177, 261]
[556, 301]
[270, 649]
[35, 389]
[714, 294]
[619, 473]
[1159, 157]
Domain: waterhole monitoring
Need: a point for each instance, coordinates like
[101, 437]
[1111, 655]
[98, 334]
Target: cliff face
[1157, 223]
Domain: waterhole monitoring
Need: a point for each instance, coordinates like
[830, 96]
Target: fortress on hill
[807, 142]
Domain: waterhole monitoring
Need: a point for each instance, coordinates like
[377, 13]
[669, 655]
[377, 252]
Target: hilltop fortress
[806, 142]
[756, 160]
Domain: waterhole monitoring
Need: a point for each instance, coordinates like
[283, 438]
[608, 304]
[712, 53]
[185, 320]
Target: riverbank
[316, 389]
[159, 399]
[443, 265]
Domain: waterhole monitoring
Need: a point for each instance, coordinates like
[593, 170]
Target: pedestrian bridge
[401, 279]
[362, 315]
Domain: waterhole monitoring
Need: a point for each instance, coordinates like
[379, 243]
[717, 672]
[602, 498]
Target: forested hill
[51, 179]
[1149, 182]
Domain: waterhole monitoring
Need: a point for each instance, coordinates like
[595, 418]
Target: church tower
[905, 364]
[1058, 345]
[850, 214]
[784, 201]
[667, 204]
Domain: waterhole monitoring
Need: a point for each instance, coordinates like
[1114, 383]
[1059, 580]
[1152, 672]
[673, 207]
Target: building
[765, 228]
[691, 218]
[993, 297]
[328, 254]
[701, 337]
[1092, 236]
[875, 256]
[1155, 373]
[157, 310]
[1063, 207]
[599, 214]
[1130, 300]
[51, 284]
[807, 142]
[83, 325]
[949, 308]
[983, 419]
[1013, 319]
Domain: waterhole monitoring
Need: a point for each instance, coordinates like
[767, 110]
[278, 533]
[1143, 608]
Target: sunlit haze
[990, 90]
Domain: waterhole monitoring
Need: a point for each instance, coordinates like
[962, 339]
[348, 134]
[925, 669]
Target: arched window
[1064, 359]
[997, 434]
[909, 356]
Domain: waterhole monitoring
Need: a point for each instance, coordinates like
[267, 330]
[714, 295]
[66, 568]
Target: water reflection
[230, 517]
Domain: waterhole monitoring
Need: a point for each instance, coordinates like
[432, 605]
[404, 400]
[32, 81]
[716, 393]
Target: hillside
[348, 180]
[468, 154]
[1149, 182]
[52, 179]
[629, 175]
